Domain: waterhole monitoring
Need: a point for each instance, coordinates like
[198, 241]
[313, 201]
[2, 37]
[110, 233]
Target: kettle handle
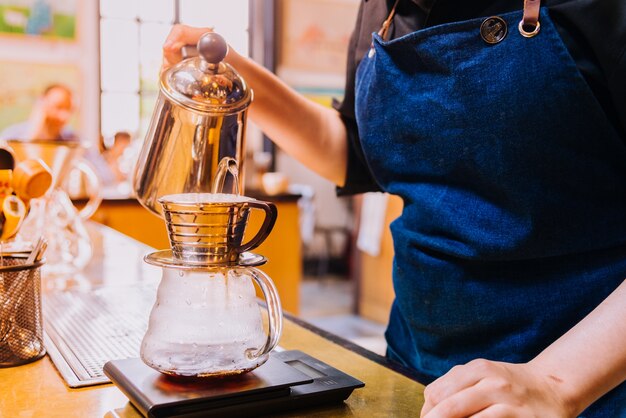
[271, 213]
[274, 313]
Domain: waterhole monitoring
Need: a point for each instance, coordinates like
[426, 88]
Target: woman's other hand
[483, 388]
[179, 36]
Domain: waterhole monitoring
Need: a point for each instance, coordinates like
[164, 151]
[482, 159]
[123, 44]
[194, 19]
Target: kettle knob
[212, 47]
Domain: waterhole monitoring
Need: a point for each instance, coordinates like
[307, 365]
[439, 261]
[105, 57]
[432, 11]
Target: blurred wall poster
[21, 83]
[313, 45]
[47, 18]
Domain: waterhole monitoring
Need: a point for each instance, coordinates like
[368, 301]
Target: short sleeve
[358, 176]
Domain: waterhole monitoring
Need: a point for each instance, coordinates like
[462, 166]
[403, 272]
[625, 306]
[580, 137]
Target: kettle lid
[204, 82]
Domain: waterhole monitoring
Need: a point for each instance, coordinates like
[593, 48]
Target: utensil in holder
[21, 325]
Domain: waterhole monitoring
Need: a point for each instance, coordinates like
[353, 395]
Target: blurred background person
[49, 118]
[114, 155]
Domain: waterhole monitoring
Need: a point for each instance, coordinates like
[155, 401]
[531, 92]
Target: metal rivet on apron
[493, 30]
[525, 33]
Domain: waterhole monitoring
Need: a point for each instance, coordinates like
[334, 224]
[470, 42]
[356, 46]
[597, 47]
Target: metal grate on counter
[85, 329]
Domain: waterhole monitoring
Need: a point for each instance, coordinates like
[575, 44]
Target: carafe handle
[271, 213]
[95, 194]
[274, 313]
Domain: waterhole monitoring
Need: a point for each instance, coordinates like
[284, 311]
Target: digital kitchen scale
[288, 380]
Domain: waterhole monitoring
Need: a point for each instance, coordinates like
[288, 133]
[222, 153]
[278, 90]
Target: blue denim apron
[514, 190]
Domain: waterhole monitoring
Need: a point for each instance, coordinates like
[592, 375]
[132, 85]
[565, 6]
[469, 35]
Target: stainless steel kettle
[199, 121]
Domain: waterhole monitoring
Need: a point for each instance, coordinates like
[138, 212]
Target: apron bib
[514, 190]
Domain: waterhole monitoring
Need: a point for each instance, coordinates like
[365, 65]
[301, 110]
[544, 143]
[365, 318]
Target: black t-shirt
[594, 32]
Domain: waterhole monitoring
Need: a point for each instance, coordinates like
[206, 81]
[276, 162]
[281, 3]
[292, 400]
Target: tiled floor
[328, 303]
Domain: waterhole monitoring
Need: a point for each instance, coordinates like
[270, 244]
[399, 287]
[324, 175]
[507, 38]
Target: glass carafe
[206, 320]
[54, 215]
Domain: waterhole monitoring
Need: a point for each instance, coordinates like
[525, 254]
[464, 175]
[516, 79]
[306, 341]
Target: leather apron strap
[385, 26]
[529, 25]
[382, 32]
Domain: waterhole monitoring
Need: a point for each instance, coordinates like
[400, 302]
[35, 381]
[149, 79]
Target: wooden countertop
[37, 390]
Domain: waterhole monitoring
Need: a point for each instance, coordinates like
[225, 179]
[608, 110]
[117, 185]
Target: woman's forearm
[590, 359]
[569, 375]
[308, 131]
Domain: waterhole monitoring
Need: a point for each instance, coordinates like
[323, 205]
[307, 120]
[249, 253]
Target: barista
[506, 143]
[48, 119]
[114, 155]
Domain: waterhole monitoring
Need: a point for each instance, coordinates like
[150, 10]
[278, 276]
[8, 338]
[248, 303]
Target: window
[132, 33]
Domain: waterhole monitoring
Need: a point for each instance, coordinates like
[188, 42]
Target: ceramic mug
[31, 179]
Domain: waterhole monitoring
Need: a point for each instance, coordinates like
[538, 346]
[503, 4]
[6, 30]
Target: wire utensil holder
[21, 325]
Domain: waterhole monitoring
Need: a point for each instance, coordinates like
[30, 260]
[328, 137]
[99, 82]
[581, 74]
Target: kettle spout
[225, 166]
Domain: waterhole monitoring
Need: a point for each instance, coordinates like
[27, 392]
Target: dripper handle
[274, 313]
[271, 213]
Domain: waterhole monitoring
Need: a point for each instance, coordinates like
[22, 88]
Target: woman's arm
[569, 375]
[309, 132]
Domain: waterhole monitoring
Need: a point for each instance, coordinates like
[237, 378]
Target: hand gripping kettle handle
[274, 313]
[271, 213]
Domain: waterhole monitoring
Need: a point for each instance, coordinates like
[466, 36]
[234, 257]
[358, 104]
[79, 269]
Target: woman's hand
[179, 36]
[483, 388]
